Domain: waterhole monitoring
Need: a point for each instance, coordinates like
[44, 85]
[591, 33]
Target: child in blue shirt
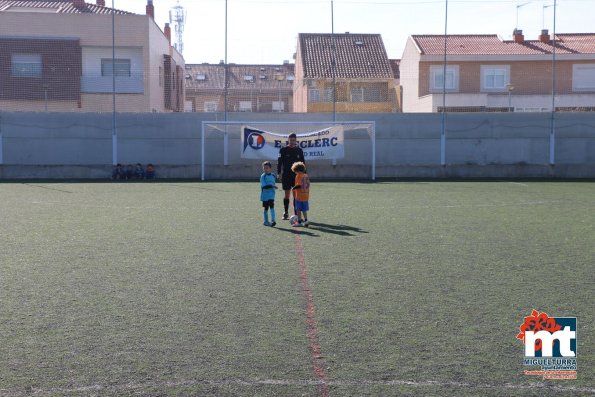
[267, 193]
[139, 172]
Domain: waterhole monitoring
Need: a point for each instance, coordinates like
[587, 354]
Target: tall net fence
[328, 60]
[313, 56]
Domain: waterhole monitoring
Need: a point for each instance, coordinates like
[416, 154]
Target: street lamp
[509, 87]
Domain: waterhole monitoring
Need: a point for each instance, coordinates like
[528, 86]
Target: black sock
[286, 204]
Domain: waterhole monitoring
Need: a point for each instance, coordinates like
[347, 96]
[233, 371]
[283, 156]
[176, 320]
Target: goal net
[236, 150]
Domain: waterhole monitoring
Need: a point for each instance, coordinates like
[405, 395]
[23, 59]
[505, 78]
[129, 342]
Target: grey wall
[79, 145]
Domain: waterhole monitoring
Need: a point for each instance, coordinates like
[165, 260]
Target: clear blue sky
[265, 31]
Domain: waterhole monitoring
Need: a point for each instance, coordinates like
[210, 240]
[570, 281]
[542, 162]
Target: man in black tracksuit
[287, 156]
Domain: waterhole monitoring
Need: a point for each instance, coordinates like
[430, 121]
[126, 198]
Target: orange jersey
[302, 193]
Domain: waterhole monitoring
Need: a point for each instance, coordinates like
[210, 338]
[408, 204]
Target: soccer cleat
[285, 216]
[273, 223]
[306, 223]
[267, 224]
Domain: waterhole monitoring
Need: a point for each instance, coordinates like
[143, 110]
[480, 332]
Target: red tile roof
[491, 44]
[358, 56]
[64, 6]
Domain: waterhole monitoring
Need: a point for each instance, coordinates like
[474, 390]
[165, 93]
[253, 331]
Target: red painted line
[318, 362]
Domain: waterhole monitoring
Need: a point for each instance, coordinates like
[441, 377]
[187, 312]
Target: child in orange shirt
[301, 191]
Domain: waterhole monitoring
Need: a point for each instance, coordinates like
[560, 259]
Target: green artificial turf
[177, 288]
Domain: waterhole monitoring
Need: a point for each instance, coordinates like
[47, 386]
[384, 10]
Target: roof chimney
[167, 32]
[78, 3]
[101, 3]
[150, 9]
[517, 34]
[544, 37]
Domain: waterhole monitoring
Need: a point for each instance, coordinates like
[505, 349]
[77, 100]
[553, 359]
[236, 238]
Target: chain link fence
[302, 56]
[329, 58]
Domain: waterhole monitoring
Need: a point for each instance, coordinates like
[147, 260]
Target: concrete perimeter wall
[75, 145]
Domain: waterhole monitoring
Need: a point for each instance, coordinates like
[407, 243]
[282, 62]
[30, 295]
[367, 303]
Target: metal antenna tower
[177, 18]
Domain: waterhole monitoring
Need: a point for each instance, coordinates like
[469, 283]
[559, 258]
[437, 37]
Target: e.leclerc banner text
[325, 144]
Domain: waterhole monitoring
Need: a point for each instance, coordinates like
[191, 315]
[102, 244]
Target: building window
[278, 106]
[245, 106]
[357, 94]
[494, 78]
[314, 95]
[438, 82]
[328, 94]
[372, 95]
[26, 65]
[366, 94]
[161, 77]
[583, 77]
[210, 106]
[117, 67]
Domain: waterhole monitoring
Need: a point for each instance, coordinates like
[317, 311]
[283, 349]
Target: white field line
[17, 392]
[489, 205]
[518, 183]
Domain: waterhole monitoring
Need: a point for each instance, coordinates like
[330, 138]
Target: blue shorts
[301, 205]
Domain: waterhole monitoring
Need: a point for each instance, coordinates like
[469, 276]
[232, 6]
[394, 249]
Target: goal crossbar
[306, 127]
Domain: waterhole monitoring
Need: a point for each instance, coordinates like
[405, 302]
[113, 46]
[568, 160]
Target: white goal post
[334, 150]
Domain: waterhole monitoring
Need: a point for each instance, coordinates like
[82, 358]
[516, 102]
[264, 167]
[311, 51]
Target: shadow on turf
[299, 230]
[340, 230]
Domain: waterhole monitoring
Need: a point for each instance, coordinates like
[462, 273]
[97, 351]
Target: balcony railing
[135, 84]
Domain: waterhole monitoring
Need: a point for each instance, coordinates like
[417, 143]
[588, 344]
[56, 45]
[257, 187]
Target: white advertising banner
[325, 144]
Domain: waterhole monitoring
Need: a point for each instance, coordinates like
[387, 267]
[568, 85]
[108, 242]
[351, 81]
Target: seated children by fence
[139, 172]
[118, 172]
[150, 171]
[129, 171]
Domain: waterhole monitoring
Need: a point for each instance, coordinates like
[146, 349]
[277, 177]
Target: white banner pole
[374, 151]
[114, 148]
[225, 147]
[202, 152]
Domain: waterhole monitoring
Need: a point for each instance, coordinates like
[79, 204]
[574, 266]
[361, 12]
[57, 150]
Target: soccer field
[397, 288]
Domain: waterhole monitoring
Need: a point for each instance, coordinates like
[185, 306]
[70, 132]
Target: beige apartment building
[250, 88]
[486, 73]
[57, 56]
[346, 72]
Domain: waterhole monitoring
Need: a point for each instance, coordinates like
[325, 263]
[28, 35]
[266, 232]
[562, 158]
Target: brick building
[57, 55]
[486, 73]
